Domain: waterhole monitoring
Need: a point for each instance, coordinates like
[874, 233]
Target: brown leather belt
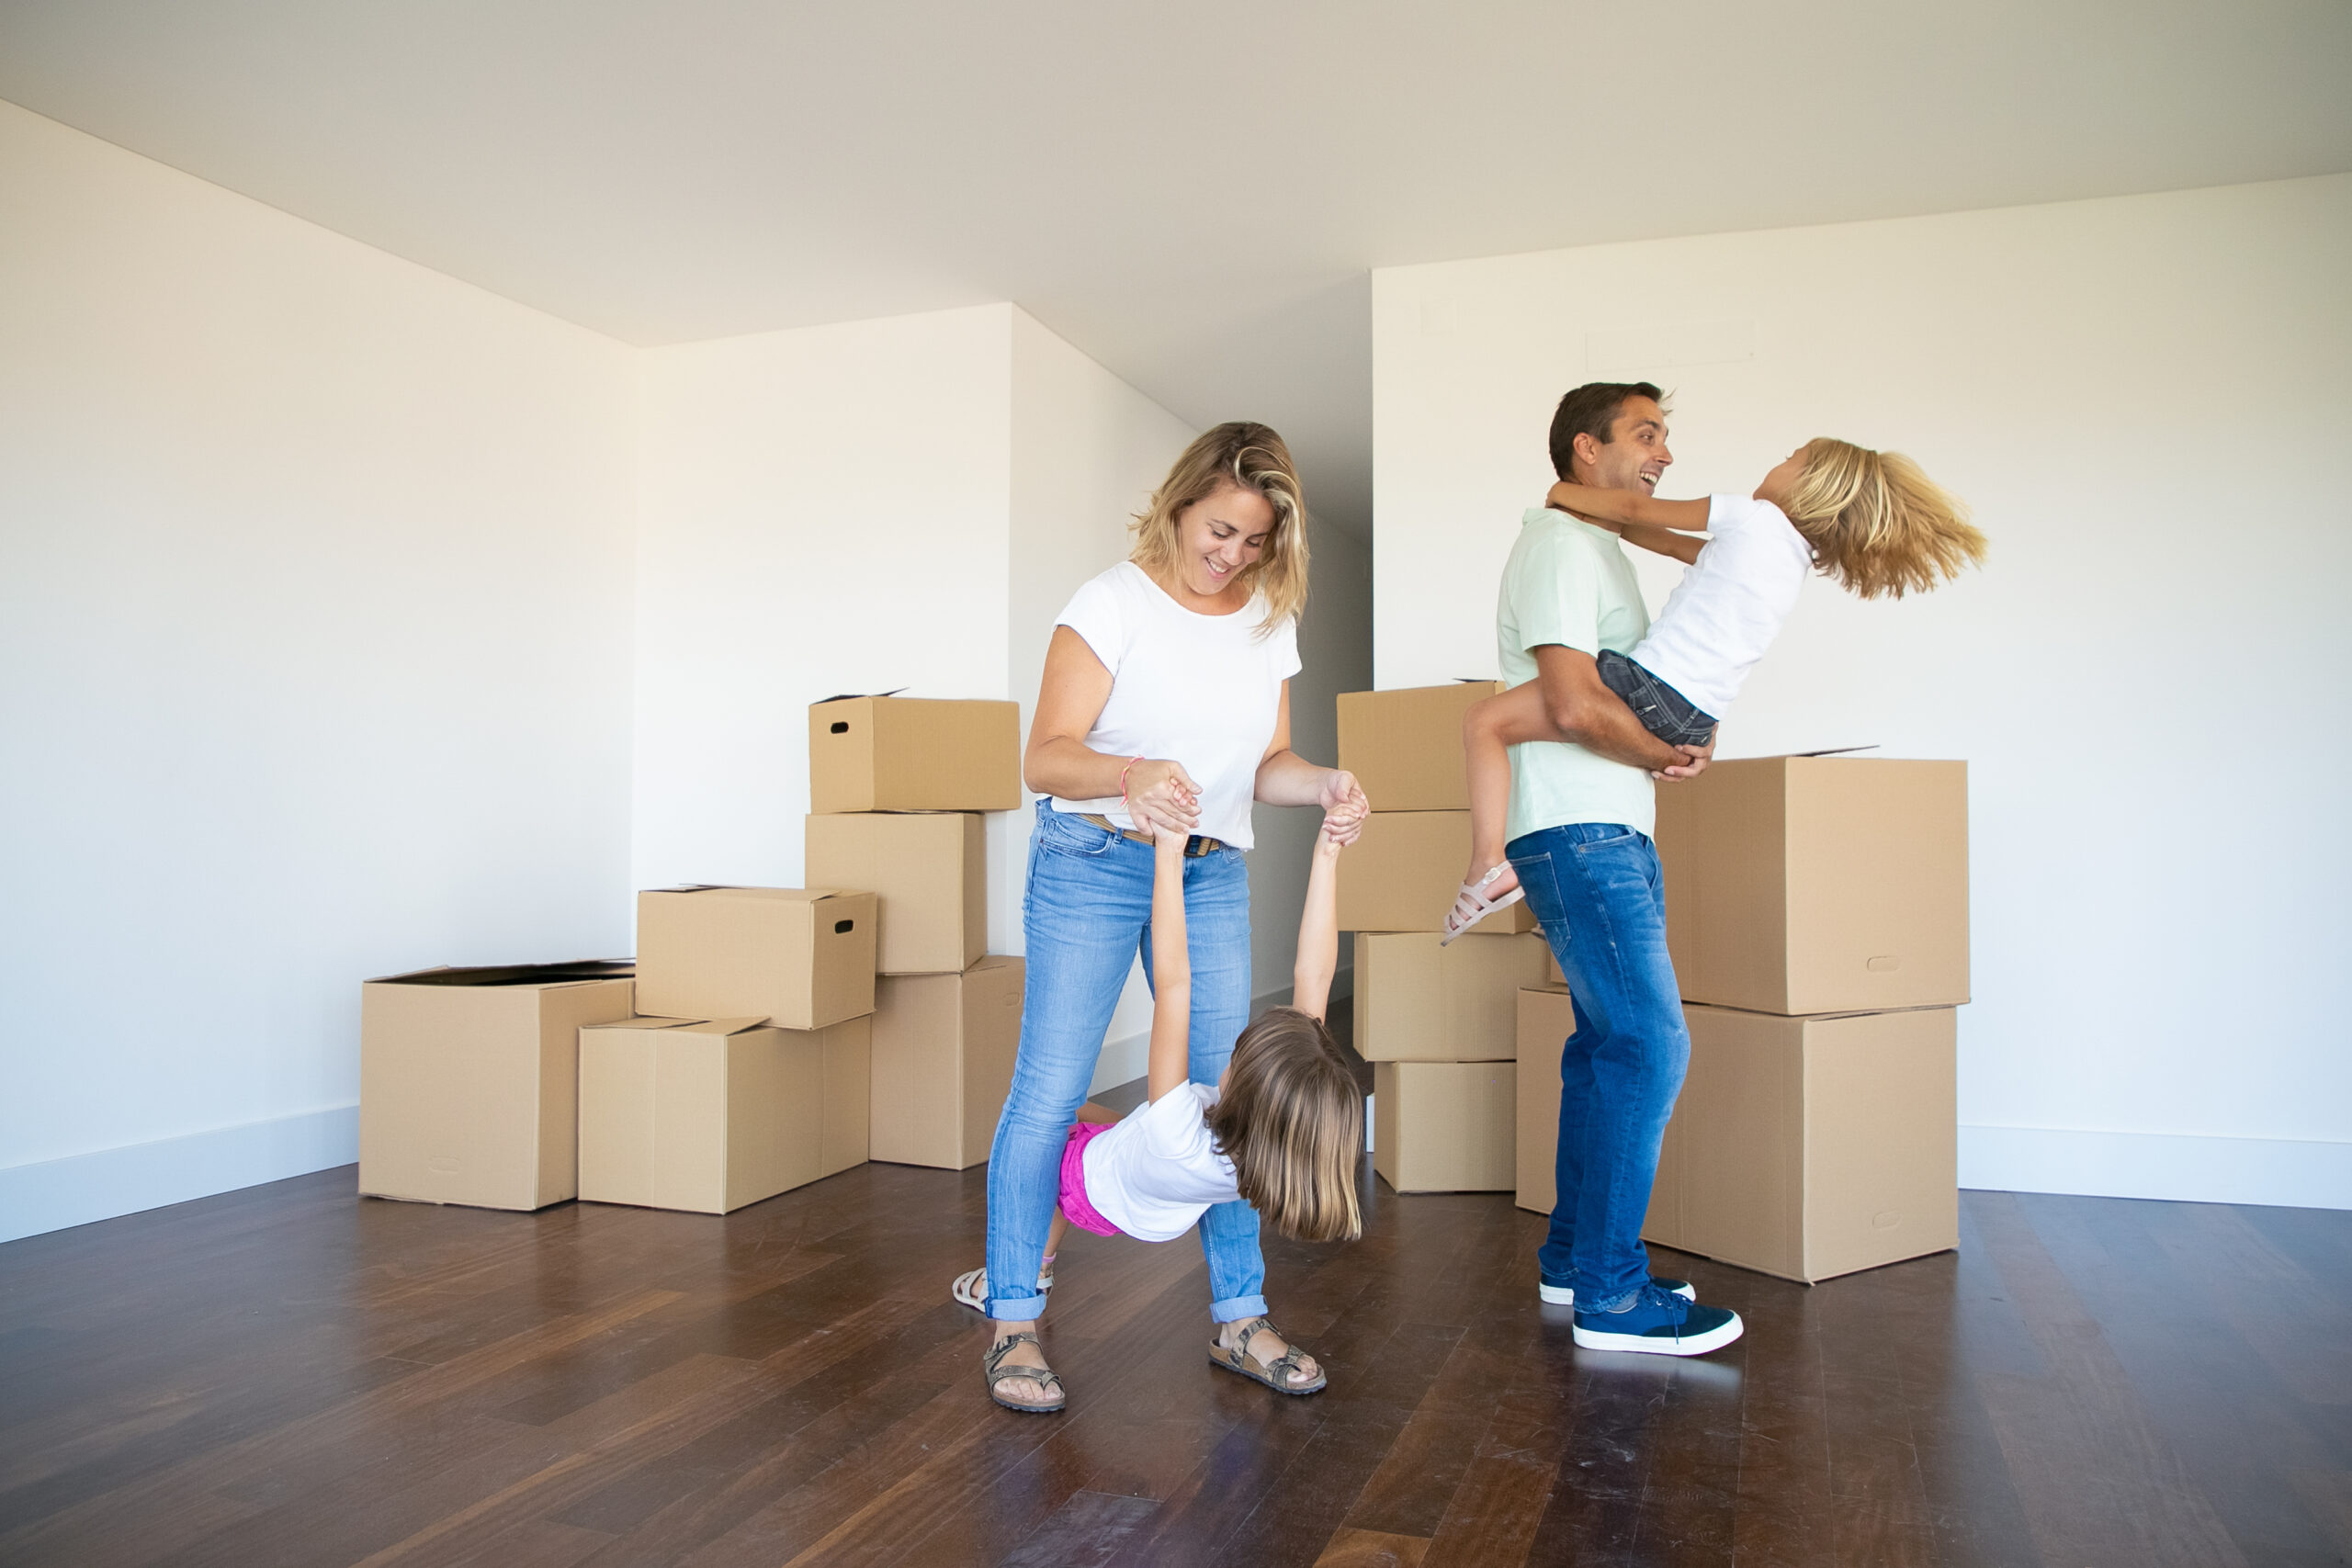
[1194, 847]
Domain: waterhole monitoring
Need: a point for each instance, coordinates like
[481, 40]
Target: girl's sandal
[1474, 906]
[1274, 1374]
[994, 1372]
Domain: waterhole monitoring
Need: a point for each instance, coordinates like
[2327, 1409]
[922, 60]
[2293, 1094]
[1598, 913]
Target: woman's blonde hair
[1254, 459]
[1877, 524]
[1291, 1120]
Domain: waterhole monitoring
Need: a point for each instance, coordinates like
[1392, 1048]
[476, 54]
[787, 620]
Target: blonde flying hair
[1877, 524]
[1291, 1120]
[1254, 459]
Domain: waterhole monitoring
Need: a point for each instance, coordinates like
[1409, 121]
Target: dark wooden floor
[291, 1374]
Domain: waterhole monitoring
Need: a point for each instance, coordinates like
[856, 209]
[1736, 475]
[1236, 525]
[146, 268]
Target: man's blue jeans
[1597, 890]
[1087, 913]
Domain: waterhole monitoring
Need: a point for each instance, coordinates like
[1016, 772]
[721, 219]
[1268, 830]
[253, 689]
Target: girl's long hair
[1877, 524]
[1291, 1120]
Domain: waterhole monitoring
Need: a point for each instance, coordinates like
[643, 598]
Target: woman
[1166, 703]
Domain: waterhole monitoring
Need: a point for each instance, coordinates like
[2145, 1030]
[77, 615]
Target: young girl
[1872, 520]
[1283, 1128]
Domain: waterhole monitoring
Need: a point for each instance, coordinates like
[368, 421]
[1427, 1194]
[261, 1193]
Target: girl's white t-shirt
[1204, 690]
[1158, 1170]
[1730, 604]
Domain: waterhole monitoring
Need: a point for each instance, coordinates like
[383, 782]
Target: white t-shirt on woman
[1204, 690]
[1158, 1170]
[1730, 604]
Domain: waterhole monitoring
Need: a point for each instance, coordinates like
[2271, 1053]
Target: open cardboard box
[468, 1080]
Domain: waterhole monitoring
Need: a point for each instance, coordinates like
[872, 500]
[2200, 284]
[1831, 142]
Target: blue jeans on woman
[1088, 913]
[1596, 888]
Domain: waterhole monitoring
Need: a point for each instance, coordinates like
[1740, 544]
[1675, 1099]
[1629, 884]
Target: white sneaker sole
[1565, 1295]
[1643, 1344]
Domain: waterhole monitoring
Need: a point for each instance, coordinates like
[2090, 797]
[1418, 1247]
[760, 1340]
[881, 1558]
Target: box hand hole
[841, 726]
[842, 928]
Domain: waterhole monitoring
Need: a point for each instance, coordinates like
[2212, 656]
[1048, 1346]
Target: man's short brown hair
[1590, 409]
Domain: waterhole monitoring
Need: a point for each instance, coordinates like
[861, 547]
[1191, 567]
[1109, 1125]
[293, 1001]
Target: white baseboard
[54, 1194]
[2284, 1172]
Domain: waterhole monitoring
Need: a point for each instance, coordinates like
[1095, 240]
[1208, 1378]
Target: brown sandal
[994, 1372]
[1277, 1372]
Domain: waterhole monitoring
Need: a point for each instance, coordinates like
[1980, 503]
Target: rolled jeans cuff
[1028, 1309]
[1235, 1309]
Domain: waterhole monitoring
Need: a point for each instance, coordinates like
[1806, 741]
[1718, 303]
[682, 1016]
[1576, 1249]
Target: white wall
[821, 511]
[1335, 651]
[2145, 400]
[314, 662]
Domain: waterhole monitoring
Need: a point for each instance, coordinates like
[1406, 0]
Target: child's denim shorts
[1663, 711]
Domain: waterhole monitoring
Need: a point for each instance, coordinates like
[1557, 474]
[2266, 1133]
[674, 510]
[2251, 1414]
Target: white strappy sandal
[1474, 906]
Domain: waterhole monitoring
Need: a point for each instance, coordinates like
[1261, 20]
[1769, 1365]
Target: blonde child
[1872, 520]
[1283, 1128]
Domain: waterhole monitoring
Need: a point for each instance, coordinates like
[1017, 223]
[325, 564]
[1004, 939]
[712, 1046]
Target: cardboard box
[1817, 885]
[942, 1060]
[1403, 874]
[1810, 1147]
[929, 872]
[1552, 974]
[470, 1080]
[800, 957]
[1416, 1001]
[908, 754]
[1443, 1126]
[1546, 1018]
[1405, 747]
[708, 1115]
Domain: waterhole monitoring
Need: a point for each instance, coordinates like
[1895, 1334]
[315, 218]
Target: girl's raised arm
[1629, 506]
[1171, 1062]
[1319, 930]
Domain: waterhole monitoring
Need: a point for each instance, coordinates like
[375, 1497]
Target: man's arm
[1587, 714]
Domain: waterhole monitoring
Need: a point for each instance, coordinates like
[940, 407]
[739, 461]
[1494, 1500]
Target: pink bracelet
[1123, 782]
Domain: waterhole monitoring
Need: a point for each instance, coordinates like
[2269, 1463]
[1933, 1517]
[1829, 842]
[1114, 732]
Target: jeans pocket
[1617, 837]
[1065, 834]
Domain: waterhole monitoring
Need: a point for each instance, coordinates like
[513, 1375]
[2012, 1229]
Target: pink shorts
[1075, 1208]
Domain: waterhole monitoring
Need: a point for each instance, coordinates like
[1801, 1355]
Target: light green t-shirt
[1568, 582]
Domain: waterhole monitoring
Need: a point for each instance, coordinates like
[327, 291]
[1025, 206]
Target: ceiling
[1193, 194]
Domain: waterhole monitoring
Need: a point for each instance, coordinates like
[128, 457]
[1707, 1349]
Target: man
[1582, 810]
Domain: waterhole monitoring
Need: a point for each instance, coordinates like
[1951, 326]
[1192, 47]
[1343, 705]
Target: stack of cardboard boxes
[894, 792]
[1436, 1022]
[1818, 916]
[756, 1049]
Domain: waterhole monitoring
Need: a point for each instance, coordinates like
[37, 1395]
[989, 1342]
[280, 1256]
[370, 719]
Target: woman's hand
[1161, 796]
[1344, 806]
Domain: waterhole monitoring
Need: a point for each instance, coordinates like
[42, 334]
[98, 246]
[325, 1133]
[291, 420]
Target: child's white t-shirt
[1730, 604]
[1158, 1170]
[1204, 690]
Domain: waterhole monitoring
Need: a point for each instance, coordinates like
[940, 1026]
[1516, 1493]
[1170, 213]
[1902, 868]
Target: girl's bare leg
[1488, 730]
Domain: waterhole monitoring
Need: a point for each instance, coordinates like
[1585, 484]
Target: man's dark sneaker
[1658, 1322]
[1565, 1295]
